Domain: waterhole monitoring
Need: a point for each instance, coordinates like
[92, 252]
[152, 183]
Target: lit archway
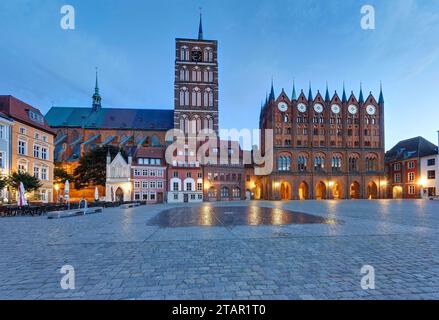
[303, 191]
[119, 195]
[285, 191]
[372, 190]
[355, 190]
[337, 191]
[320, 191]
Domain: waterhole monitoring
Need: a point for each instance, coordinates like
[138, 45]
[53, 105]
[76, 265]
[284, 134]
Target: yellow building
[31, 145]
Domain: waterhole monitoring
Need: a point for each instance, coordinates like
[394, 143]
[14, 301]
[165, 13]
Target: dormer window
[36, 116]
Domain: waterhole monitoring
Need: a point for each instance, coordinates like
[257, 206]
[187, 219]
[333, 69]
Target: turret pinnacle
[381, 98]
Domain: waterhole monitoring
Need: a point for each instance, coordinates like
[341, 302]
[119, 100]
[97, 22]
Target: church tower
[196, 84]
[96, 104]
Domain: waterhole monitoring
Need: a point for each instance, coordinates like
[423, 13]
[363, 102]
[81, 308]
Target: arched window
[224, 192]
[183, 123]
[236, 192]
[196, 74]
[208, 98]
[319, 163]
[208, 55]
[210, 123]
[184, 97]
[208, 75]
[371, 163]
[155, 141]
[196, 97]
[302, 163]
[353, 163]
[284, 163]
[184, 74]
[184, 53]
[336, 163]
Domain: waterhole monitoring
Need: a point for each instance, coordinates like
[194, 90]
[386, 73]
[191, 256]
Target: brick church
[324, 147]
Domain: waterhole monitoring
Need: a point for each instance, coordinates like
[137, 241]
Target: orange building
[31, 144]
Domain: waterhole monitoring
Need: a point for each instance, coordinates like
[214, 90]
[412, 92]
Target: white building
[5, 149]
[430, 175]
[118, 184]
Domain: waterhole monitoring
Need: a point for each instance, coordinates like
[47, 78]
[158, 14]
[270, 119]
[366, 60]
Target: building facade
[224, 173]
[149, 173]
[31, 145]
[118, 185]
[323, 147]
[406, 173]
[5, 150]
[185, 183]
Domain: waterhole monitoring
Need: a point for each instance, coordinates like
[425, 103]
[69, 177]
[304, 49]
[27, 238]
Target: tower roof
[200, 27]
[310, 98]
[360, 97]
[272, 96]
[293, 95]
[327, 98]
[381, 98]
[344, 98]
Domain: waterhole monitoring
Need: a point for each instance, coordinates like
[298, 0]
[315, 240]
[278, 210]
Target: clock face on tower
[282, 106]
[335, 108]
[353, 109]
[318, 108]
[301, 107]
[370, 109]
[196, 56]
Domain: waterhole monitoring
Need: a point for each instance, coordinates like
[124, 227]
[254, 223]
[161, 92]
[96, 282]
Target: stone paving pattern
[116, 255]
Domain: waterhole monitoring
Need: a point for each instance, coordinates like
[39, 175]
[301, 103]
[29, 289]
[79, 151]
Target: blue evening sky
[132, 43]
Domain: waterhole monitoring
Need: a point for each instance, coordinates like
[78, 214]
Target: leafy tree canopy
[92, 166]
[30, 183]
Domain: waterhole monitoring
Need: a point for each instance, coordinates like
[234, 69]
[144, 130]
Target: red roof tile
[19, 110]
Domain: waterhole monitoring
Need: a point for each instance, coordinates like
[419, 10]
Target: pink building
[148, 173]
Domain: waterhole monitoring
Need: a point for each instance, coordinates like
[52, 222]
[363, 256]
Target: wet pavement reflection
[233, 216]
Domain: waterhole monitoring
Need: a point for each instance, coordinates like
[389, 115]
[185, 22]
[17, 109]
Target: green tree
[30, 183]
[3, 183]
[92, 166]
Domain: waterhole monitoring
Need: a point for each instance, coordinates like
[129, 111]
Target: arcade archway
[355, 190]
[303, 191]
[320, 191]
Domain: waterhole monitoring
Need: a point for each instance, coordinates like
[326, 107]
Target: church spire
[327, 97]
[200, 28]
[310, 98]
[294, 96]
[361, 98]
[381, 98]
[272, 96]
[343, 98]
[96, 105]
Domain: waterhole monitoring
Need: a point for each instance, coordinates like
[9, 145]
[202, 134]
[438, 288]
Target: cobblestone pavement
[117, 255]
